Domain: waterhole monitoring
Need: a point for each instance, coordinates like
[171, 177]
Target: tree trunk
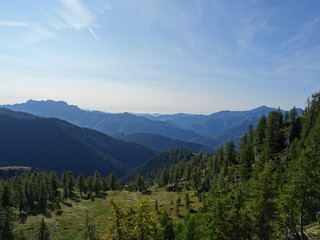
[301, 226]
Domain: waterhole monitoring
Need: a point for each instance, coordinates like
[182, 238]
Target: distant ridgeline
[7, 172]
[160, 132]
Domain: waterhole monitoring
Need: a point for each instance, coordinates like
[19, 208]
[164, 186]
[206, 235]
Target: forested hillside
[268, 189]
[53, 144]
[162, 144]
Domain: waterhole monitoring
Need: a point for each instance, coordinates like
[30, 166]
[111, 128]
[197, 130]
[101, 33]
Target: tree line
[265, 187]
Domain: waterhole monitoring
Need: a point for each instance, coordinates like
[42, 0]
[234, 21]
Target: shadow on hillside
[68, 204]
[23, 218]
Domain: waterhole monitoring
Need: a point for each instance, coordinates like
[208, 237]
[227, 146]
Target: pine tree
[263, 201]
[139, 183]
[187, 201]
[246, 157]
[54, 194]
[156, 205]
[89, 229]
[301, 194]
[259, 135]
[189, 230]
[177, 207]
[70, 184]
[97, 183]
[274, 140]
[230, 154]
[6, 224]
[6, 196]
[167, 230]
[81, 182]
[110, 182]
[43, 232]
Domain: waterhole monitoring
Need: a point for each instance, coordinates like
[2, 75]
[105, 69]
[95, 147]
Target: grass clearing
[68, 223]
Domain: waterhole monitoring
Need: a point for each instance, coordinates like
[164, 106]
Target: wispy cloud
[307, 28]
[13, 24]
[93, 33]
[74, 15]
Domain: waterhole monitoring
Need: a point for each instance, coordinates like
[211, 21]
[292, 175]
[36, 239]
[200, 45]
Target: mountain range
[53, 144]
[210, 131]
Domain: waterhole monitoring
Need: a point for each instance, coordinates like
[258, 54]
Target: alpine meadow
[160, 120]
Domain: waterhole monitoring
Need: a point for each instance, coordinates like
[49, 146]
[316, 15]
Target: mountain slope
[213, 130]
[56, 145]
[162, 143]
[111, 124]
[164, 160]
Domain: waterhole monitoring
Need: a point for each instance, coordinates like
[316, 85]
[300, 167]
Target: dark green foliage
[262, 202]
[81, 182]
[165, 160]
[259, 135]
[167, 230]
[5, 196]
[139, 184]
[111, 182]
[43, 231]
[39, 192]
[190, 230]
[6, 224]
[246, 157]
[177, 206]
[97, 183]
[230, 154]
[267, 190]
[187, 201]
[274, 139]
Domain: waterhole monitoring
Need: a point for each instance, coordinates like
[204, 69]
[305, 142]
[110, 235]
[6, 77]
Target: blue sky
[166, 56]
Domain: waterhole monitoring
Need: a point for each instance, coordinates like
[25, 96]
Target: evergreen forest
[267, 186]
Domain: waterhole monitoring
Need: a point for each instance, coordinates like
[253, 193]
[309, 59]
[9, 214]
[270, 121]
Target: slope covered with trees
[162, 143]
[57, 145]
[268, 189]
[156, 164]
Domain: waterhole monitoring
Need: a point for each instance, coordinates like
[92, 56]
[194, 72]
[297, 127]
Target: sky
[160, 56]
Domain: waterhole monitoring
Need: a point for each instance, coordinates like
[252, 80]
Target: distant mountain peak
[51, 102]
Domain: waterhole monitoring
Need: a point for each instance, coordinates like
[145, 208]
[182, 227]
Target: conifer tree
[263, 201]
[230, 154]
[6, 224]
[187, 201]
[177, 206]
[43, 232]
[5, 196]
[246, 157]
[259, 135]
[167, 230]
[97, 183]
[89, 229]
[274, 141]
[81, 182]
